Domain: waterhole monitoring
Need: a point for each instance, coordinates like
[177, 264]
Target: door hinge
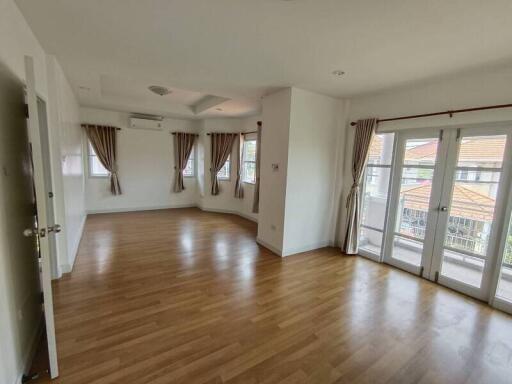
[25, 110]
[50, 194]
[436, 277]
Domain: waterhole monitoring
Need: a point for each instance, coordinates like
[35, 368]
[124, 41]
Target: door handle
[56, 228]
[443, 209]
[34, 232]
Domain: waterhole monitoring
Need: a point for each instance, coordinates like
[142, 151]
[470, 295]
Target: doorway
[445, 204]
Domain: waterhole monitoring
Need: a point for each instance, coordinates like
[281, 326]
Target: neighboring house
[474, 193]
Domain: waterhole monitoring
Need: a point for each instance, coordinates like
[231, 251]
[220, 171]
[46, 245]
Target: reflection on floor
[456, 266]
[184, 296]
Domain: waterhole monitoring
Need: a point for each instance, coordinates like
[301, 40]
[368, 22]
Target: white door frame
[503, 209]
[483, 292]
[41, 194]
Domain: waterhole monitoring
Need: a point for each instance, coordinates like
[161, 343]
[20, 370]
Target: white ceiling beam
[208, 102]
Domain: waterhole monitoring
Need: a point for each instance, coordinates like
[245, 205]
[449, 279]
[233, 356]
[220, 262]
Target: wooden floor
[184, 296]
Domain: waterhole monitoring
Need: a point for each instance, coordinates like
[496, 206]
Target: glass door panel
[375, 195]
[471, 188]
[411, 200]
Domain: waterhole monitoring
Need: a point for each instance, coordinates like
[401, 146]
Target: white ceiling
[242, 49]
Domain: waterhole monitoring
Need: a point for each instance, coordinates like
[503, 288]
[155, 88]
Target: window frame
[228, 178]
[193, 158]
[249, 161]
[90, 154]
[364, 252]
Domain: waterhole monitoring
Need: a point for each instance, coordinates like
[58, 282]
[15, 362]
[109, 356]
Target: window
[190, 168]
[375, 194]
[96, 169]
[249, 165]
[225, 171]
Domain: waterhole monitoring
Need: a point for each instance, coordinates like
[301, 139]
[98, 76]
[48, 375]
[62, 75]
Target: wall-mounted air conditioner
[153, 123]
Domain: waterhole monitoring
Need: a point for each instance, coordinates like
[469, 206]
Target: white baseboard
[30, 354]
[228, 211]
[268, 246]
[306, 248]
[138, 209]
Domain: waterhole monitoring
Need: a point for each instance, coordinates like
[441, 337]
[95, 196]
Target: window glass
[189, 169]
[96, 169]
[375, 193]
[224, 172]
[249, 165]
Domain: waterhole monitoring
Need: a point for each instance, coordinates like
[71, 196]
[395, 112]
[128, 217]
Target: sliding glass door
[446, 207]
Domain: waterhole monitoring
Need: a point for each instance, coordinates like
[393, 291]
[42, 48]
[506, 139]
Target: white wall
[274, 150]
[145, 163]
[302, 133]
[474, 89]
[16, 41]
[314, 128]
[68, 175]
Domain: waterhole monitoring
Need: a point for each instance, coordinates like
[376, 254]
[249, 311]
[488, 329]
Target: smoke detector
[162, 91]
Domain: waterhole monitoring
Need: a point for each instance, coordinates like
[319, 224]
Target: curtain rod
[450, 113]
[174, 133]
[259, 123]
[225, 133]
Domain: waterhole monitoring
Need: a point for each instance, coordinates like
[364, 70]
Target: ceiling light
[159, 90]
[338, 72]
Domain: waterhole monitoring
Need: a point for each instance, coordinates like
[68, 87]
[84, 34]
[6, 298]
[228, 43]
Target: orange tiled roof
[488, 149]
[465, 202]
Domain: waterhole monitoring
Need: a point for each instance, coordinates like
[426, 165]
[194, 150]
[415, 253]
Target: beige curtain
[239, 186]
[256, 201]
[103, 141]
[183, 145]
[365, 130]
[222, 145]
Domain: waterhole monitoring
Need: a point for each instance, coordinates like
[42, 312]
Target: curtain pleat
[183, 146]
[239, 186]
[103, 141]
[365, 130]
[256, 200]
[222, 145]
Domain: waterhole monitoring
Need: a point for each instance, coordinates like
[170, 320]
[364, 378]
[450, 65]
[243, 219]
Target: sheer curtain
[365, 130]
